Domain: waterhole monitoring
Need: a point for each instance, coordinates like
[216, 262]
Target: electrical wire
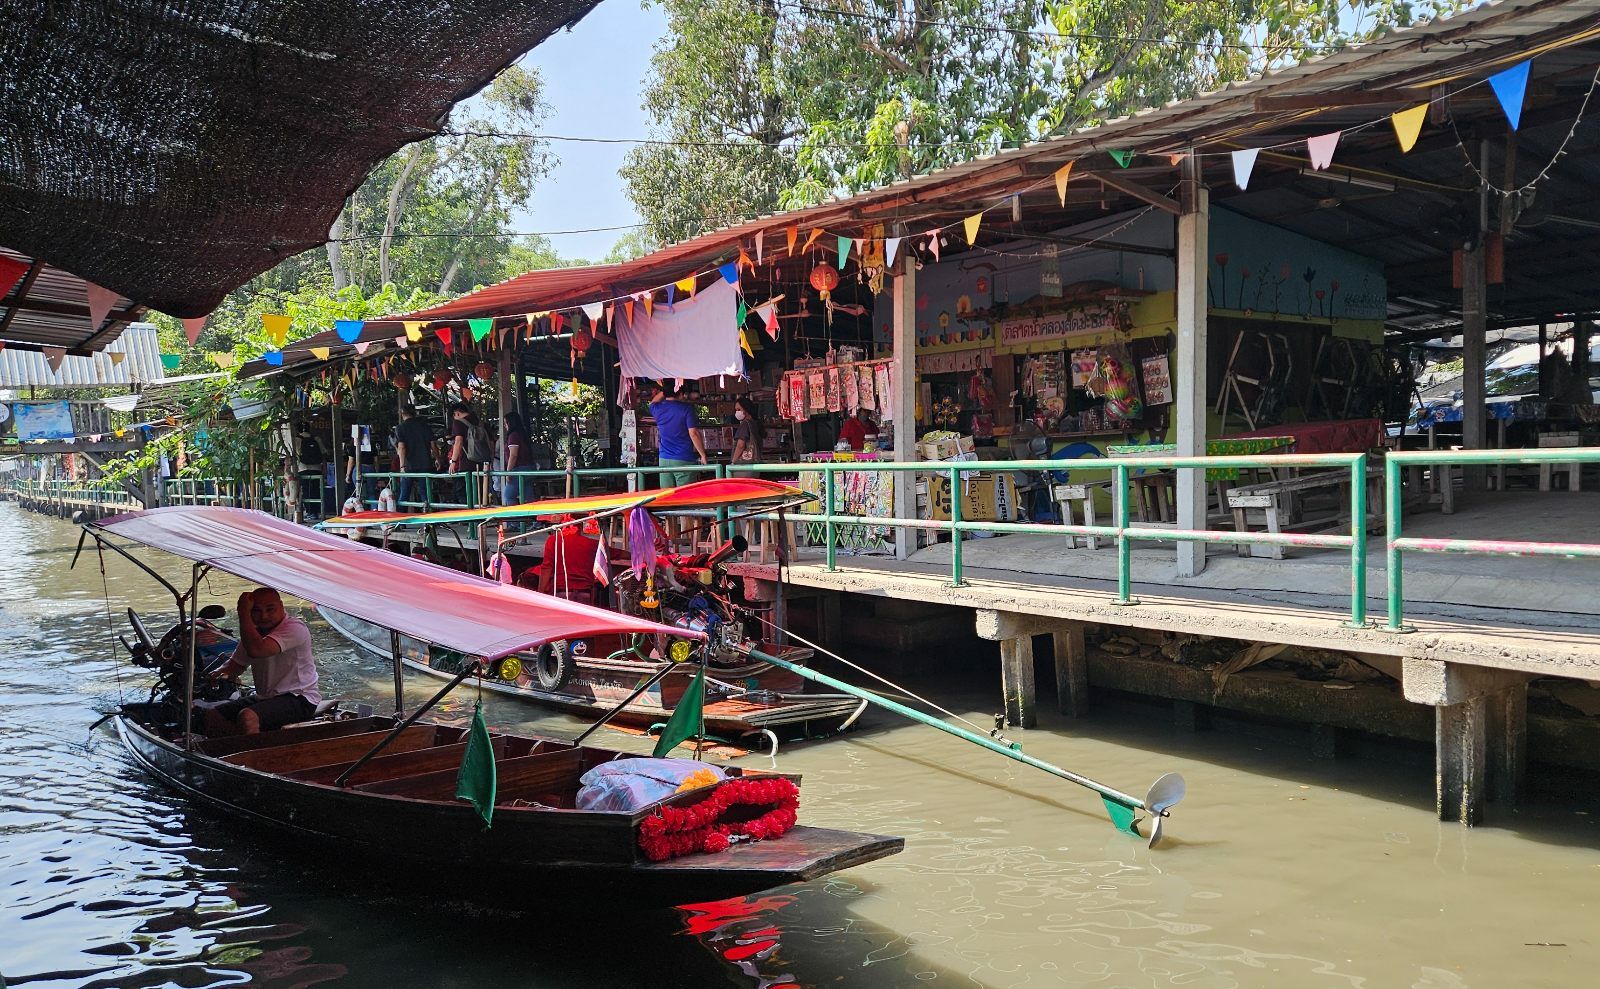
[1543, 172]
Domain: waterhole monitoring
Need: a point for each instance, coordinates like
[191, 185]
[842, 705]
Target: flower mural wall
[1258, 269]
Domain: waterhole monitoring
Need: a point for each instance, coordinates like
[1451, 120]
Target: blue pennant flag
[1510, 87]
[672, 294]
[274, 358]
[730, 272]
[349, 330]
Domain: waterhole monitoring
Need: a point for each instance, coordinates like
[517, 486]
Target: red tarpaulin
[1347, 436]
[451, 609]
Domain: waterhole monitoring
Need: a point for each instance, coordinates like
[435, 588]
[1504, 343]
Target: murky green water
[1282, 870]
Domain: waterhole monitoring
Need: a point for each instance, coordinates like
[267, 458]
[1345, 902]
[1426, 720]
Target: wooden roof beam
[1137, 191]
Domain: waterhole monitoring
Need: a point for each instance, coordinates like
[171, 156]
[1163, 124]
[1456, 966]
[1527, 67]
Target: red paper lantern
[401, 380]
[581, 341]
[466, 393]
[824, 278]
[440, 379]
[484, 370]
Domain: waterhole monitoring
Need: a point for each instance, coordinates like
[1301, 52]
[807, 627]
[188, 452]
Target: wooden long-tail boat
[382, 786]
[747, 698]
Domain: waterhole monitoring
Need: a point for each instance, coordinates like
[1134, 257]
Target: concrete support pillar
[830, 619]
[1480, 733]
[1016, 680]
[904, 399]
[1072, 671]
[1191, 405]
[1474, 334]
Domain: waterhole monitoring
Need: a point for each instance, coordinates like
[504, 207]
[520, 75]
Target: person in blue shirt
[678, 442]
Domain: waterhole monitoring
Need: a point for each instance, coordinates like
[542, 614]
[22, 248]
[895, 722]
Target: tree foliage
[784, 103]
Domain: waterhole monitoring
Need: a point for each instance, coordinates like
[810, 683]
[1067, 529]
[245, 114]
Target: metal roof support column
[1474, 330]
[904, 401]
[1193, 230]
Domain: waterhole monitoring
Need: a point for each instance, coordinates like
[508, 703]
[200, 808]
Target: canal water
[1282, 870]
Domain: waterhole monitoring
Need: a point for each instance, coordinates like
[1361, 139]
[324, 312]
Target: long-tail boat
[383, 786]
[747, 697]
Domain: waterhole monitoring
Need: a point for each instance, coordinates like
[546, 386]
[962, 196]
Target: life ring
[552, 666]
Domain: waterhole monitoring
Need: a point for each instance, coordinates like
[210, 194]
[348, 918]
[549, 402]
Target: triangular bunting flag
[845, 243]
[274, 358]
[1408, 125]
[349, 330]
[627, 311]
[1244, 162]
[672, 296]
[790, 235]
[1320, 149]
[971, 224]
[761, 238]
[933, 243]
[1176, 158]
[594, 310]
[611, 316]
[100, 302]
[321, 353]
[811, 238]
[11, 272]
[1510, 87]
[743, 313]
[276, 325]
[557, 321]
[744, 342]
[685, 285]
[401, 342]
[414, 328]
[170, 362]
[771, 316]
[745, 262]
[481, 327]
[193, 326]
[1063, 175]
[891, 247]
[119, 433]
[362, 345]
[649, 300]
[222, 359]
[54, 356]
[729, 272]
[1123, 158]
[116, 356]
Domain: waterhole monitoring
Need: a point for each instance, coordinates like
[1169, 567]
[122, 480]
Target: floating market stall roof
[433, 603]
[133, 358]
[172, 151]
[43, 306]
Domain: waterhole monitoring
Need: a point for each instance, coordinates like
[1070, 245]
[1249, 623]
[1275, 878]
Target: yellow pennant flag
[117, 357]
[414, 328]
[1062, 175]
[744, 343]
[1408, 125]
[277, 327]
[222, 360]
[811, 238]
[120, 433]
[971, 223]
[685, 285]
[320, 353]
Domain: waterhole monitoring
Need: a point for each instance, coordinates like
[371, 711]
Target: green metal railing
[75, 492]
[1122, 531]
[1397, 545]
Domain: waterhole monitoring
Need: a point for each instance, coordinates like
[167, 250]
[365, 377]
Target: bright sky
[593, 78]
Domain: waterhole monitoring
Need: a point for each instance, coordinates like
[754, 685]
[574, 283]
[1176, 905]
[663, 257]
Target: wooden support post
[1327, 742]
[904, 398]
[1016, 680]
[1189, 716]
[830, 619]
[1191, 405]
[1474, 339]
[1460, 741]
[1072, 671]
[1508, 744]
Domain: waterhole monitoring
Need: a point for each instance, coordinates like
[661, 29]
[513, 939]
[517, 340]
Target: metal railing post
[1358, 542]
[1119, 514]
[955, 529]
[827, 526]
[1391, 559]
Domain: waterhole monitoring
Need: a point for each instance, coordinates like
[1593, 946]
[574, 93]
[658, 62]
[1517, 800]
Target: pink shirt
[290, 670]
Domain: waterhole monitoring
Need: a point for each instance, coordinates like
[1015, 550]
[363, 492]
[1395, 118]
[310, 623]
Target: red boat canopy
[717, 492]
[455, 610]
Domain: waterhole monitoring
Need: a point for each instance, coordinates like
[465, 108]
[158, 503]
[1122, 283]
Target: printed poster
[1084, 363]
[797, 397]
[835, 400]
[852, 389]
[885, 394]
[1157, 376]
[817, 384]
[43, 421]
[864, 387]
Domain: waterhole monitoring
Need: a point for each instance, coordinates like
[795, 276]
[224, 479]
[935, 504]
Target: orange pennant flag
[1062, 175]
[627, 311]
[811, 238]
[649, 300]
[792, 233]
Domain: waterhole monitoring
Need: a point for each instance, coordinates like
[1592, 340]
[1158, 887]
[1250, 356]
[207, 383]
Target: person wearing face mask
[747, 433]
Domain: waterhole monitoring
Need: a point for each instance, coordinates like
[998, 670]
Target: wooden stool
[762, 535]
[1152, 496]
[1064, 495]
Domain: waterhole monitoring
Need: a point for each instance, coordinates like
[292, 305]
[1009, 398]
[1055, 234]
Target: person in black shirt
[413, 446]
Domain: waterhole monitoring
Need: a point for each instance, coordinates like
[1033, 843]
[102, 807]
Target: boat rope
[857, 666]
[111, 625]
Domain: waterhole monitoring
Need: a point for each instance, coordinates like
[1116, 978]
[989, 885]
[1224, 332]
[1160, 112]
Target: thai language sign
[1058, 326]
[43, 421]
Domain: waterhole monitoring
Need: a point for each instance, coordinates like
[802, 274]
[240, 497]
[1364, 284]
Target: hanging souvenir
[781, 395]
[885, 396]
[797, 398]
[817, 389]
[864, 386]
[851, 389]
[1121, 385]
[835, 399]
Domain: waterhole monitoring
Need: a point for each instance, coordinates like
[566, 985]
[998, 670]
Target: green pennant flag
[481, 328]
[476, 780]
[744, 313]
[1123, 158]
[685, 721]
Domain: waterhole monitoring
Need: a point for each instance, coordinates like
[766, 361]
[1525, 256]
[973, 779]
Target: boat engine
[168, 658]
[695, 591]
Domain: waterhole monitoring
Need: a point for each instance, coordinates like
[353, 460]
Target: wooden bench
[1065, 494]
[1277, 506]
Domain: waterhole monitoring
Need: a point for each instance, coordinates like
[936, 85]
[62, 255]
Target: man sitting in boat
[568, 569]
[277, 650]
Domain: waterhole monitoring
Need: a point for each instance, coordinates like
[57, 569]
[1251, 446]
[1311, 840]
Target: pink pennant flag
[100, 302]
[933, 243]
[401, 341]
[193, 327]
[761, 237]
[611, 316]
[1320, 149]
[362, 345]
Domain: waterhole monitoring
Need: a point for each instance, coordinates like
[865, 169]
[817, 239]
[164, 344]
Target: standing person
[678, 442]
[471, 450]
[747, 433]
[413, 447]
[855, 429]
[519, 456]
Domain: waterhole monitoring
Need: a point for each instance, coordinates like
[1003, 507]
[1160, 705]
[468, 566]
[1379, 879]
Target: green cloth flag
[476, 781]
[480, 327]
[685, 721]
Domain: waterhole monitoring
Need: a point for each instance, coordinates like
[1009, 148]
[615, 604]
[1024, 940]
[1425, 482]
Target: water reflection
[1282, 871]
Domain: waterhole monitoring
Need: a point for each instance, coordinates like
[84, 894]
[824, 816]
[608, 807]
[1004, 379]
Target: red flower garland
[672, 832]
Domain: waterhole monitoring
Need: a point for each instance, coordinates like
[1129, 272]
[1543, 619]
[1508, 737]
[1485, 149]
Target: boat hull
[527, 860]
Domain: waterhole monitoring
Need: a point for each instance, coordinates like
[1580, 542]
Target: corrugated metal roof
[141, 364]
[49, 307]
